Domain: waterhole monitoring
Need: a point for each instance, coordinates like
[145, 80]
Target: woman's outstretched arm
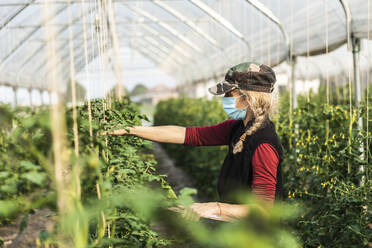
[162, 134]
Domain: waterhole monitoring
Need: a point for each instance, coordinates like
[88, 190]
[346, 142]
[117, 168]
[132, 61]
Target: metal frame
[16, 14]
[30, 35]
[80, 67]
[187, 22]
[63, 2]
[118, 23]
[150, 19]
[221, 20]
[164, 39]
[269, 14]
[76, 58]
[346, 8]
[16, 85]
[79, 64]
[57, 34]
[163, 49]
[121, 36]
[165, 26]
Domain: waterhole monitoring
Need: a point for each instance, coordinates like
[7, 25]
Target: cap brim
[221, 88]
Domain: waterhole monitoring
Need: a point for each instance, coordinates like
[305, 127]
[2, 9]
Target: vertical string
[350, 117]
[337, 90]
[327, 74]
[105, 47]
[104, 24]
[326, 41]
[307, 42]
[117, 67]
[76, 172]
[72, 80]
[93, 38]
[115, 44]
[308, 53]
[245, 28]
[262, 47]
[101, 51]
[291, 81]
[251, 32]
[367, 93]
[268, 46]
[102, 55]
[87, 77]
[99, 38]
[278, 37]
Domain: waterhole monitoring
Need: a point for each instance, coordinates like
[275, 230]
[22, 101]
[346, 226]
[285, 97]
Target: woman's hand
[162, 134]
[114, 132]
[206, 209]
[197, 210]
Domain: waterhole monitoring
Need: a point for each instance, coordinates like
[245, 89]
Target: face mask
[229, 105]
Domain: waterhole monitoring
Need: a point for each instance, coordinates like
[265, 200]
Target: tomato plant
[322, 170]
[110, 163]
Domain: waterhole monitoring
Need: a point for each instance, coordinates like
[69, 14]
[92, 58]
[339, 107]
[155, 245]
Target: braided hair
[261, 105]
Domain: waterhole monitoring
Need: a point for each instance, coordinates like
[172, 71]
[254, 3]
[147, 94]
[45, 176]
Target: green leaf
[9, 188]
[28, 165]
[4, 174]
[35, 177]
[7, 208]
[185, 198]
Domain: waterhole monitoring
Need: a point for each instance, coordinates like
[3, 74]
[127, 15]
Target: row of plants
[327, 167]
[322, 165]
[117, 200]
[107, 165]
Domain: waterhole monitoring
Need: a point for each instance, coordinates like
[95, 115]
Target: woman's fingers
[186, 212]
[190, 214]
[107, 133]
[176, 209]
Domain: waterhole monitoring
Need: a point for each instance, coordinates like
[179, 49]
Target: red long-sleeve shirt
[265, 159]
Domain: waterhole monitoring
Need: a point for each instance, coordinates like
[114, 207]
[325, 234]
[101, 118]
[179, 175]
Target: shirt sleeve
[265, 161]
[213, 135]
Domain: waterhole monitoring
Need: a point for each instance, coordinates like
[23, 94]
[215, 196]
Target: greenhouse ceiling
[191, 40]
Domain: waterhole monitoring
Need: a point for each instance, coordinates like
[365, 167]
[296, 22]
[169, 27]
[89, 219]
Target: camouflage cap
[246, 76]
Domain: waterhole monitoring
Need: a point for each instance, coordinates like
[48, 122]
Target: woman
[255, 154]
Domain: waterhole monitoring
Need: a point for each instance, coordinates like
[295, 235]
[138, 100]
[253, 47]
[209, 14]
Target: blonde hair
[261, 105]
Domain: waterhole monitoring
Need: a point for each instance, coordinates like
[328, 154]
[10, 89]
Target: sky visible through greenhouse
[148, 74]
[175, 41]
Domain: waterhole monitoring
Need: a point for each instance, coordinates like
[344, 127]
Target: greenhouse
[185, 123]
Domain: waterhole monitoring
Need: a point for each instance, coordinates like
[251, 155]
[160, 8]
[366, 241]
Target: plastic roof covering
[189, 39]
[336, 63]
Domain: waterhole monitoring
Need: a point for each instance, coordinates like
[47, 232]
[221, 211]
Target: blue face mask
[229, 105]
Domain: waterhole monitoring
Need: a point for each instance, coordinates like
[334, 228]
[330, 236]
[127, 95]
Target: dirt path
[177, 178]
[12, 237]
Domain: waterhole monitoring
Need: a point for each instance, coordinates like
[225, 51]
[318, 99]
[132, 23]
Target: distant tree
[80, 92]
[113, 91]
[139, 89]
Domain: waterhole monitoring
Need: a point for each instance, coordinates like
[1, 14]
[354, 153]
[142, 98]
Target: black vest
[236, 171]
